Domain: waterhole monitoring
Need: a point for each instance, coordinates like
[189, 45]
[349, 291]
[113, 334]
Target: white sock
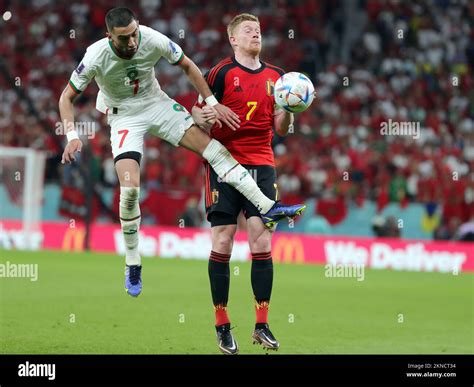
[231, 172]
[129, 210]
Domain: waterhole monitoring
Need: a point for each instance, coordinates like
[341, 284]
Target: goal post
[22, 181]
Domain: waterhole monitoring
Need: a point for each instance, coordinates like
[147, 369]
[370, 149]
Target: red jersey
[249, 93]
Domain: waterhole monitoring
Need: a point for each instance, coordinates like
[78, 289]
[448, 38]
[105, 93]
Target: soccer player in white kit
[122, 65]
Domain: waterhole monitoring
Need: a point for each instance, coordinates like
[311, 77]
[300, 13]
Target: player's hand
[72, 147]
[209, 115]
[227, 116]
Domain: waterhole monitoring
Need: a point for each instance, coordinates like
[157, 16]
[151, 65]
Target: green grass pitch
[78, 305]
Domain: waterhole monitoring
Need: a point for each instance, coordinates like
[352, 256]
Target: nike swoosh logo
[269, 340]
[234, 346]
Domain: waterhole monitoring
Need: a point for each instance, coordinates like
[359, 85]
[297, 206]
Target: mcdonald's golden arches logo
[288, 249]
[74, 239]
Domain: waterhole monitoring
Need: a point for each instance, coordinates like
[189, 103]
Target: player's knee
[129, 180]
[223, 243]
[262, 244]
[132, 183]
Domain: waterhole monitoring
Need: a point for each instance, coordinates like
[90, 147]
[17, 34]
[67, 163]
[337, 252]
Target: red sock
[221, 315]
[261, 311]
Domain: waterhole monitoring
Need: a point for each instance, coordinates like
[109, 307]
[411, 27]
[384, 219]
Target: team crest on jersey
[270, 87]
[132, 72]
[178, 108]
[215, 196]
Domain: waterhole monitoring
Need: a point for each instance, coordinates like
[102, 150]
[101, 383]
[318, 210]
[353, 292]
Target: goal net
[21, 194]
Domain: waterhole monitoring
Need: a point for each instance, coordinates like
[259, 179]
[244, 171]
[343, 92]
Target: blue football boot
[133, 280]
[280, 211]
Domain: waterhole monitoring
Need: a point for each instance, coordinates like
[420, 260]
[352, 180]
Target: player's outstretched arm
[224, 114]
[66, 110]
[282, 121]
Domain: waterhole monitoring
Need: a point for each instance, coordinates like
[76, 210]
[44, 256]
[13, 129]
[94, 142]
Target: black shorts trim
[219, 218]
[137, 156]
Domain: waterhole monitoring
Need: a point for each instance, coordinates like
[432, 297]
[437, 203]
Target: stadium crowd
[370, 61]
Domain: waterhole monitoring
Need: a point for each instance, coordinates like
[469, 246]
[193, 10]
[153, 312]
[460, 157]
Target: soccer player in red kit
[244, 84]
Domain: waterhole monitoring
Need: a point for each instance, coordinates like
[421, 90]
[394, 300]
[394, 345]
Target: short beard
[254, 51]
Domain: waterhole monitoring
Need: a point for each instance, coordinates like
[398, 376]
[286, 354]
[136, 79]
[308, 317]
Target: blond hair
[237, 20]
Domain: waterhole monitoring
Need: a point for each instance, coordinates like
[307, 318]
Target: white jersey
[125, 82]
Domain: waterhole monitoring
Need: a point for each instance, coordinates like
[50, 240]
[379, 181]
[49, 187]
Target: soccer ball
[294, 92]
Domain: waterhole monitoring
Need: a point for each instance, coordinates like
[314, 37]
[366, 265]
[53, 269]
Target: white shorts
[162, 117]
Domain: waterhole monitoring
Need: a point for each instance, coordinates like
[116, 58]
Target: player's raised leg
[225, 165]
[260, 241]
[128, 172]
[219, 277]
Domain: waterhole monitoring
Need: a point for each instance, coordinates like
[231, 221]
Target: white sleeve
[167, 48]
[83, 74]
